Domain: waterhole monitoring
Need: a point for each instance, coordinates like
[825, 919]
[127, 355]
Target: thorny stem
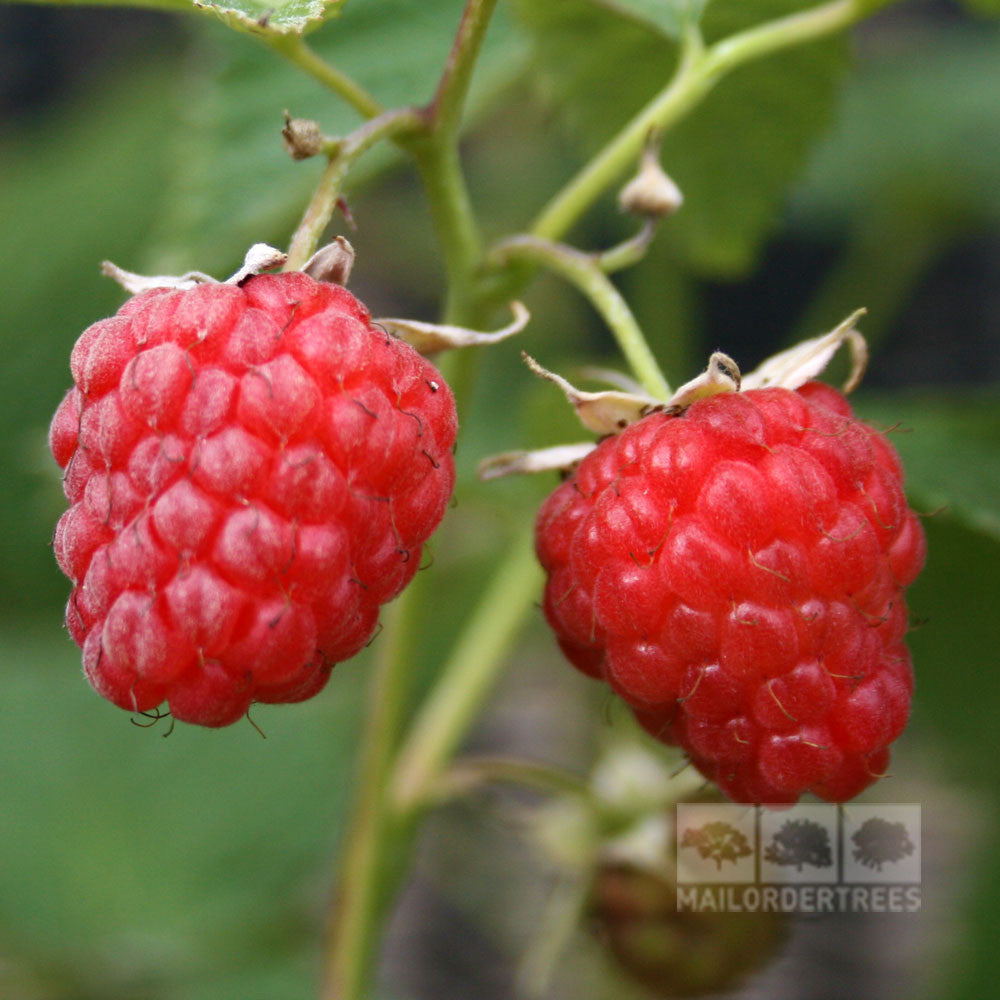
[294, 49]
[324, 201]
[365, 885]
[585, 273]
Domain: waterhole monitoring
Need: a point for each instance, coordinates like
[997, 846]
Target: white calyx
[611, 411]
[429, 338]
[259, 258]
[787, 369]
[605, 412]
[332, 263]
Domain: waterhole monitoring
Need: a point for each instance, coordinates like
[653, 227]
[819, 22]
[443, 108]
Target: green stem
[473, 772]
[585, 273]
[466, 678]
[440, 165]
[628, 252]
[324, 201]
[294, 49]
[697, 73]
[454, 221]
[560, 921]
[449, 100]
[353, 930]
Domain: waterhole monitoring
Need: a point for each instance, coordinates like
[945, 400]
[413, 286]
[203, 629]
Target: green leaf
[78, 185]
[176, 5]
[909, 171]
[233, 183]
[261, 17]
[949, 445]
[916, 133]
[989, 8]
[196, 856]
[955, 711]
[669, 16]
[735, 155]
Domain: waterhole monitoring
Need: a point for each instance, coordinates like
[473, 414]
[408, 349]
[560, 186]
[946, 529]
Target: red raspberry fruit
[251, 471]
[736, 574]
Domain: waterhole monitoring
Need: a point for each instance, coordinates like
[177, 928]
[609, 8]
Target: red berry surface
[252, 471]
[736, 574]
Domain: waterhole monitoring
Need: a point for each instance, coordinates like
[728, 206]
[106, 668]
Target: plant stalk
[470, 773]
[466, 678]
[352, 935]
[439, 162]
[449, 100]
[320, 210]
[585, 273]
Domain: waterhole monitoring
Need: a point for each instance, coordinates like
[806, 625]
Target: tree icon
[717, 840]
[800, 842]
[878, 841]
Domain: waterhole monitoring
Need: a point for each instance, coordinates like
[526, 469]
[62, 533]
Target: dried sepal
[601, 412]
[610, 412]
[612, 377]
[134, 284]
[428, 338]
[561, 458]
[332, 263]
[796, 366]
[788, 369]
[259, 258]
[721, 375]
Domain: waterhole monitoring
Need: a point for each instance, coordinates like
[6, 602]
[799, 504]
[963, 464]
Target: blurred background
[847, 173]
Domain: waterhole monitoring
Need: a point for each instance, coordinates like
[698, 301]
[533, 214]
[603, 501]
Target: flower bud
[302, 137]
[651, 193]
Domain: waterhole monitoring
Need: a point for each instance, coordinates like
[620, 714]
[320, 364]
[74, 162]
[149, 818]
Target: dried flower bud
[651, 193]
[302, 137]
[331, 263]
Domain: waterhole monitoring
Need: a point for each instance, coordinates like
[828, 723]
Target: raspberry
[672, 951]
[252, 471]
[736, 574]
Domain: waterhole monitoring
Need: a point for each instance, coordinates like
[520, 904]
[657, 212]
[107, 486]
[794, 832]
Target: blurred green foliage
[133, 865]
[196, 867]
[231, 177]
[735, 157]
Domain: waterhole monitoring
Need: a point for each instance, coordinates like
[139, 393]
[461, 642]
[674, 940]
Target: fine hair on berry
[736, 574]
[252, 470]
